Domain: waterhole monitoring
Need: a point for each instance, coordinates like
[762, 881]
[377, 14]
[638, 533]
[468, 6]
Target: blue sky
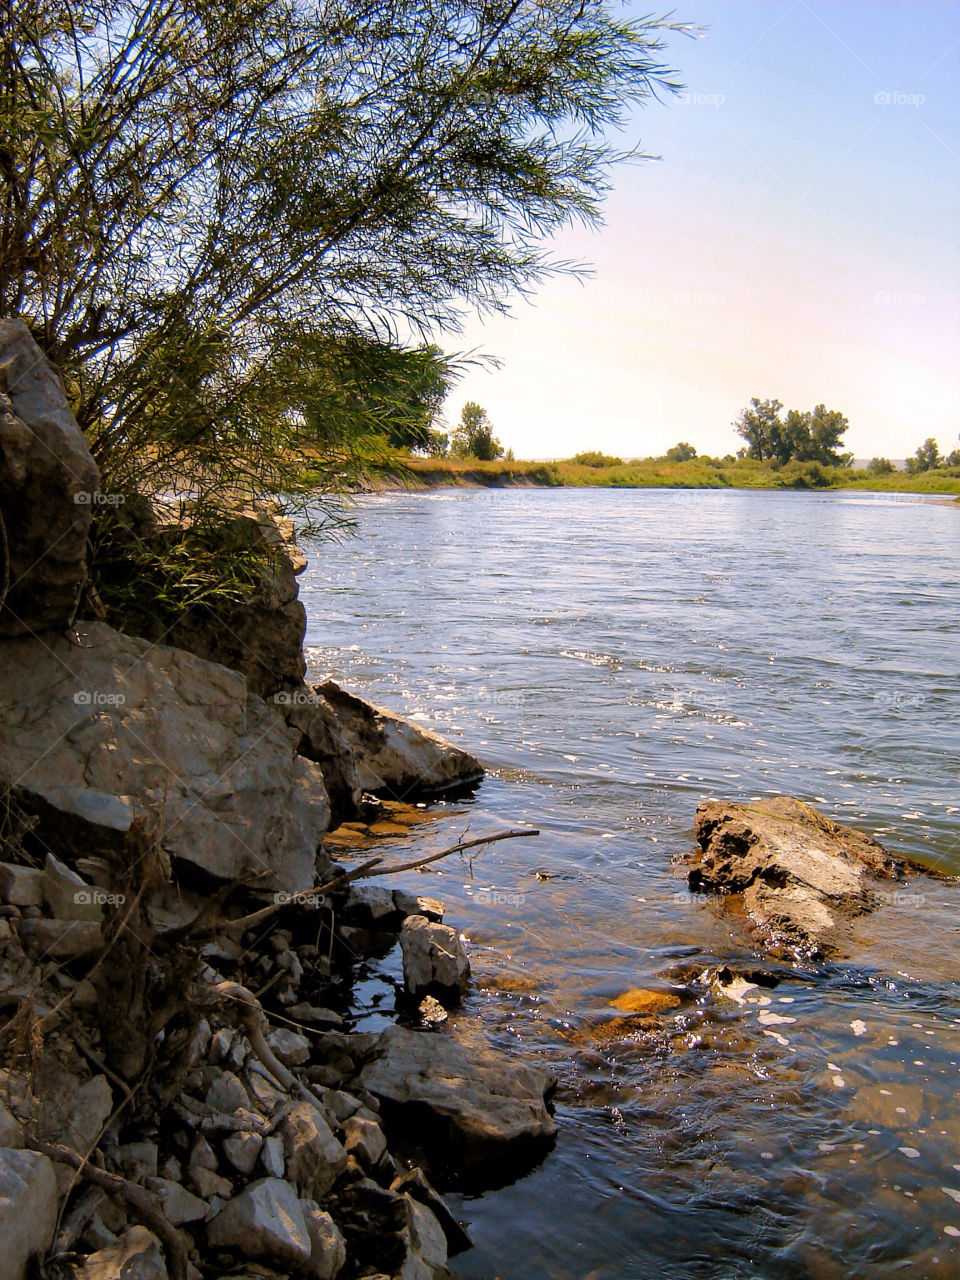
[798, 239]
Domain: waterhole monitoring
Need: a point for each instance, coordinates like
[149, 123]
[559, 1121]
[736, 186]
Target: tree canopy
[210, 208]
[812, 436]
[473, 436]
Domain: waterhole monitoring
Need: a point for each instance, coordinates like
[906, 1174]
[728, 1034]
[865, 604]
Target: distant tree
[509, 456]
[473, 436]
[952, 459]
[880, 466]
[594, 458]
[757, 424]
[813, 436]
[681, 452]
[437, 444]
[926, 458]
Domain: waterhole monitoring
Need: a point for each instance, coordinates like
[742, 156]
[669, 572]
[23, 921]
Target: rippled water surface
[615, 658]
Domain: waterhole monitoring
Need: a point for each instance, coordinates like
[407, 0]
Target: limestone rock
[321, 739]
[265, 1221]
[48, 487]
[179, 1205]
[801, 875]
[135, 1256]
[242, 1150]
[67, 895]
[314, 1157]
[328, 1251]
[61, 939]
[396, 757]
[364, 1139]
[21, 886]
[290, 1047]
[28, 1209]
[472, 1107]
[11, 1130]
[434, 957]
[94, 731]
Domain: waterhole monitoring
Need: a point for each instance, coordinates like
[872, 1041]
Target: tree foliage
[212, 211]
[473, 436]
[812, 436]
[681, 452]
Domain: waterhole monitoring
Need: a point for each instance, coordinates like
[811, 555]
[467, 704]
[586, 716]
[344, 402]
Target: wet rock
[28, 1209]
[802, 876]
[91, 731]
[414, 1184]
[434, 957]
[412, 904]
[396, 757]
[314, 1157]
[266, 1222]
[48, 483]
[472, 1108]
[135, 1256]
[21, 886]
[328, 1252]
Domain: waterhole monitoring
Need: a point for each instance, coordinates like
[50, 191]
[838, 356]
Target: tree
[926, 458]
[880, 466]
[681, 452]
[473, 437]
[201, 204]
[811, 436]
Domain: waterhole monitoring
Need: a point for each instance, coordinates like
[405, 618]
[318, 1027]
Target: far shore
[416, 473]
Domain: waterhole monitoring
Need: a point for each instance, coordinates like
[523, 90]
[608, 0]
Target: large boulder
[48, 487]
[397, 758]
[28, 1209]
[801, 876]
[478, 1115]
[323, 741]
[265, 1221]
[92, 732]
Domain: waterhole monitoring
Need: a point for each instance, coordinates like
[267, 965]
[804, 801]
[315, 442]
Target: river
[615, 657]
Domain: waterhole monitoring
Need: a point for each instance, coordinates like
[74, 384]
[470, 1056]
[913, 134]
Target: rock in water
[28, 1209]
[470, 1107]
[48, 485]
[801, 875]
[396, 757]
[93, 731]
[265, 1221]
[434, 958]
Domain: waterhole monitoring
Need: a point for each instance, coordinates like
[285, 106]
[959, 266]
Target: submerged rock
[801, 876]
[92, 732]
[473, 1109]
[396, 757]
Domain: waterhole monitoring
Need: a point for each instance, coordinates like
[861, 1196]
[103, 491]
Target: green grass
[657, 473]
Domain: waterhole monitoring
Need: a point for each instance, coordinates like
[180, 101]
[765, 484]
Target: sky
[797, 239]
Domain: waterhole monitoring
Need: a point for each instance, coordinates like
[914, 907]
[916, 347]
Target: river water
[614, 658]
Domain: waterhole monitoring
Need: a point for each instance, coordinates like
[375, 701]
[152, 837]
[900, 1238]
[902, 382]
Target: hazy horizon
[796, 240]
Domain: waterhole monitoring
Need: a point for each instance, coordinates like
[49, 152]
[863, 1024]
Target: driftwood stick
[457, 848]
[143, 1202]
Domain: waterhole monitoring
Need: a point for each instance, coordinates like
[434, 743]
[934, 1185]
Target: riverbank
[413, 473]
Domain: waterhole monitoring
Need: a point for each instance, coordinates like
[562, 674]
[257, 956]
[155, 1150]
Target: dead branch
[514, 834]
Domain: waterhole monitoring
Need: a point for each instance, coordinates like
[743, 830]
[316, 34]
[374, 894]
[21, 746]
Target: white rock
[363, 1139]
[28, 1209]
[242, 1150]
[67, 895]
[290, 1047]
[135, 1256]
[265, 1221]
[271, 1157]
[314, 1157]
[328, 1252]
[433, 956]
[21, 886]
[178, 1203]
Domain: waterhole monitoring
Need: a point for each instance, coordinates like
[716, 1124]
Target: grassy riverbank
[656, 473]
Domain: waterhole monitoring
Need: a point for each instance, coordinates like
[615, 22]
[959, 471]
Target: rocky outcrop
[481, 1116]
[322, 740]
[91, 733]
[395, 757]
[49, 485]
[801, 876]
